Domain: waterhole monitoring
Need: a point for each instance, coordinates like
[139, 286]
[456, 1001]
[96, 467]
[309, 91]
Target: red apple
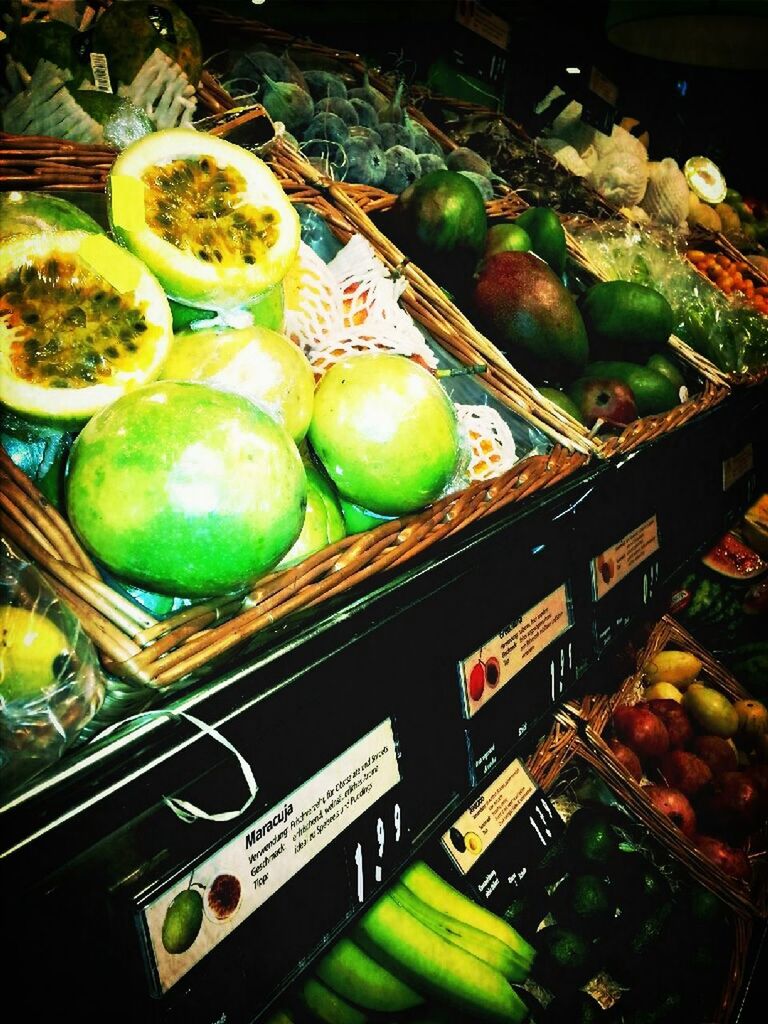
[685, 772]
[674, 805]
[641, 731]
[716, 752]
[675, 719]
[626, 757]
[736, 803]
[606, 399]
[732, 862]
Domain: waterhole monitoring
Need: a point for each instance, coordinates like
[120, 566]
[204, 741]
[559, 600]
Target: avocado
[564, 958]
[583, 902]
[590, 840]
[625, 320]
[563, 401]
[182, 921]
[531, 316]
[653, 392]
[547, 236]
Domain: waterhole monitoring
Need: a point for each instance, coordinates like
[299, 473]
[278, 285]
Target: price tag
[486, 672]
[502, 835]
[381, 844]
[738, 465]
[192, 916]
[618, 561]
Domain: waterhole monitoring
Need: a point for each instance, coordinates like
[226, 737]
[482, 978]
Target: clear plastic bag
[51, 685]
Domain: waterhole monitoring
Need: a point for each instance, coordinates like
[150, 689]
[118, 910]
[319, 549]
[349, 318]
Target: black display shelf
[89, 845]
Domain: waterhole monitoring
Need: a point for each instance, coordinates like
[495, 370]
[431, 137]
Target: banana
[279, 1017]
[328, 1006]
[431, 888]
[677, 667]
[353, 974]
[480, 944]
[435, 966]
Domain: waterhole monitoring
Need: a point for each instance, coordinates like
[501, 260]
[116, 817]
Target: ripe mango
[531, 316]
[711, 710]
[677, 667]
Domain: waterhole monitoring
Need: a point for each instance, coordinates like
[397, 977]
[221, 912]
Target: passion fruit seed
[71, 328]
[196, 206]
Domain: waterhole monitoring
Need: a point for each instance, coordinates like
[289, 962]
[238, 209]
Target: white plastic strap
[183, 809]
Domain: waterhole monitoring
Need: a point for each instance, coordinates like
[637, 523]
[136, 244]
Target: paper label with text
[472, 834]
[244, 873]
[618, 561]
[483, 22]
[737, 466]
[486, 671]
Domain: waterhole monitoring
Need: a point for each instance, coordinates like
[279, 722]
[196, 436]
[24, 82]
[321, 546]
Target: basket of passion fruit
[689, 745]
[623, 932]
[210, 423]
[78, 95]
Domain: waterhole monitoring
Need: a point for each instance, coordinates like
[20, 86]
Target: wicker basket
[564, 753]
[593, 717]
[147, 653]
[358, 201]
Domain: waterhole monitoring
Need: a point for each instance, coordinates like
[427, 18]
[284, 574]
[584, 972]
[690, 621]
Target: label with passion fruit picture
[618, 561]
[487, 670]
[193, 915]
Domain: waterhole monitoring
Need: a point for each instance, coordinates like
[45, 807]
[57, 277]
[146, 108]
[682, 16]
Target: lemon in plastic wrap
[29, 646]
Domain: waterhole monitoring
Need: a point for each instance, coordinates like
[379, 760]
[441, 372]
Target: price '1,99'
[380, 851]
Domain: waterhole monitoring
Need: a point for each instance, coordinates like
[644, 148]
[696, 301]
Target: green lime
[547, 236]
[507, 237]
[560, 399]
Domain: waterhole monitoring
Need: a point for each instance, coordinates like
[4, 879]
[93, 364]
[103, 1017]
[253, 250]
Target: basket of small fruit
[74, 96]
[593, 934]
[168, 550]
[689, 745]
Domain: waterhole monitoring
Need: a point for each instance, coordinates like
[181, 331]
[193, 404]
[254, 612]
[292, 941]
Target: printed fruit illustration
[626, 320]
[477, 681]
[492, 671]
[323, 519]
[606, 566]
[207, 217]
[546, 234]
[531, 316]
[254, 362]
[441, 221]
[223, 896]
[26, 213]
[601, 398]
[84, 323]
[457, 839]
[386, 432]
[130, 32]
[185, 489]
[677, 667]
[30, 646]
[675, 805]
[182, 922]
[663, 691]
[711, 710]
[473, 842]
[641, 731]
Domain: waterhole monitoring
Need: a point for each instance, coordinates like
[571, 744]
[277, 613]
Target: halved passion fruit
[207, 217]
[705, 178]
[81, 323]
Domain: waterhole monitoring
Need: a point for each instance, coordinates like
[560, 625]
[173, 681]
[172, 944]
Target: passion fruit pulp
[81, 323]
[207, 217]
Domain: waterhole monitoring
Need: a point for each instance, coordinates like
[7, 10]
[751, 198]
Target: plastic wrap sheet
[727, 331]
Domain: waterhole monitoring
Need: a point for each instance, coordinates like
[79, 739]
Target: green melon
[186, 490]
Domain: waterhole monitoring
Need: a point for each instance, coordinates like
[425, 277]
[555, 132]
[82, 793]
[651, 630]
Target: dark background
[687, 110]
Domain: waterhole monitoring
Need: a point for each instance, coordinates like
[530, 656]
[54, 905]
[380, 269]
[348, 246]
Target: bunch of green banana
[422, 939]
